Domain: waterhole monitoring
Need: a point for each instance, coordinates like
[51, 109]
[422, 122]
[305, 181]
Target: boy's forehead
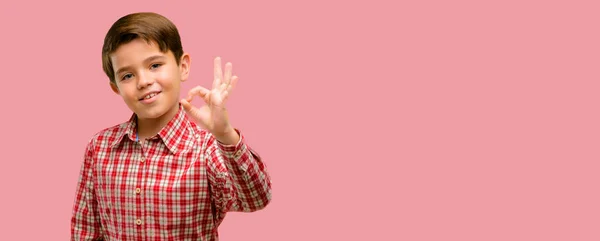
[135, 51]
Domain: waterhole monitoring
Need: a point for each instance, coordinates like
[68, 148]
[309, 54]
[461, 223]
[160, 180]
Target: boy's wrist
[228, 137]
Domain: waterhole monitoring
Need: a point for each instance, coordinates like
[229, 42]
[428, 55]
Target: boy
[172, 171]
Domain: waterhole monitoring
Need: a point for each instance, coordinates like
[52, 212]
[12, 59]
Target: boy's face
[148, 79]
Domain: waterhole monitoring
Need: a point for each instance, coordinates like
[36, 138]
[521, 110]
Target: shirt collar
[171, 134]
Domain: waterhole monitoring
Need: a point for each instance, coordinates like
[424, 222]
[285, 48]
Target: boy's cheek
[127, 91]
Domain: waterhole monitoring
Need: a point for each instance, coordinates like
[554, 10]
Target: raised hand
[213, 115]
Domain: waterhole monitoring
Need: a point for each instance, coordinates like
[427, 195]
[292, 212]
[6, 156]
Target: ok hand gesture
[213, 116]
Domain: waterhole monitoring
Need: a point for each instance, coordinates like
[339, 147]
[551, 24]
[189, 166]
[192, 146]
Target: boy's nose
[144, 81]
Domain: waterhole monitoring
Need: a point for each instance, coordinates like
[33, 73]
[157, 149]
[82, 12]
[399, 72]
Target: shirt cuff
[233, 151]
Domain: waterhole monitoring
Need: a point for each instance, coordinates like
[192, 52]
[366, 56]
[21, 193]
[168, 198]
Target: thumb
[186, 105]
[200, 115]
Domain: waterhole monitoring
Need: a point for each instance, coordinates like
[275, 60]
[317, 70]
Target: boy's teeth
[150, 96]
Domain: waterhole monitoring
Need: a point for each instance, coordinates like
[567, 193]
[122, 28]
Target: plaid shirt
[177, 185]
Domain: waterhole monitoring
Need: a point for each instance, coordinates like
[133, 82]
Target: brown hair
[151, 27]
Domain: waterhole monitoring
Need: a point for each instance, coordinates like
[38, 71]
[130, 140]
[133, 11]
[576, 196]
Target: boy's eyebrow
[149, 59]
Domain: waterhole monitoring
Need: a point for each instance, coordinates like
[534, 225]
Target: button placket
[137, 192]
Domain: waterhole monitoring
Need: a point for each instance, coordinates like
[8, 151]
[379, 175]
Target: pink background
[436, 120]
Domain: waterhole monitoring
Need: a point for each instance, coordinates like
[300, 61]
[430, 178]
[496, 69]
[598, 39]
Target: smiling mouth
[150, 95]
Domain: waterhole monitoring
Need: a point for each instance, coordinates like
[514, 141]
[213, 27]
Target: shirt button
[138, 222]
[138, 190]
[142, 159]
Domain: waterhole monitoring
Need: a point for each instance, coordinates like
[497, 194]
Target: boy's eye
[127, 76]
[154, 66]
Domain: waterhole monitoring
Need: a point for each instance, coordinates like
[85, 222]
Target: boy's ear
[184, 66]
[114, 87]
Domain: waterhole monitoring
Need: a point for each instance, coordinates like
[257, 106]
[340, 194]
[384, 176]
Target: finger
[199, 114]
[229, 88]
[228, 70]
[186, 105]
[234, 81]
[222, 87]
[225, 96]
[218, 73]
[199, 91]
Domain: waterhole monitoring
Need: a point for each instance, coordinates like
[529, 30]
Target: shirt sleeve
[85, 220]
[238, 177]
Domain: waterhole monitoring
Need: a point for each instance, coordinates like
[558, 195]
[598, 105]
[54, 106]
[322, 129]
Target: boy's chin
[146, 116]
[151, 113]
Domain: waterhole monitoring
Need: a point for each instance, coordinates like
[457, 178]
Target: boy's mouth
[150, 95]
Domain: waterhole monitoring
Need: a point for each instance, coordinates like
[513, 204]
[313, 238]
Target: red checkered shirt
[177, 185]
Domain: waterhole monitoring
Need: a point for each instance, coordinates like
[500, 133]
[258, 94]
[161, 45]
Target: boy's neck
[147, 128]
